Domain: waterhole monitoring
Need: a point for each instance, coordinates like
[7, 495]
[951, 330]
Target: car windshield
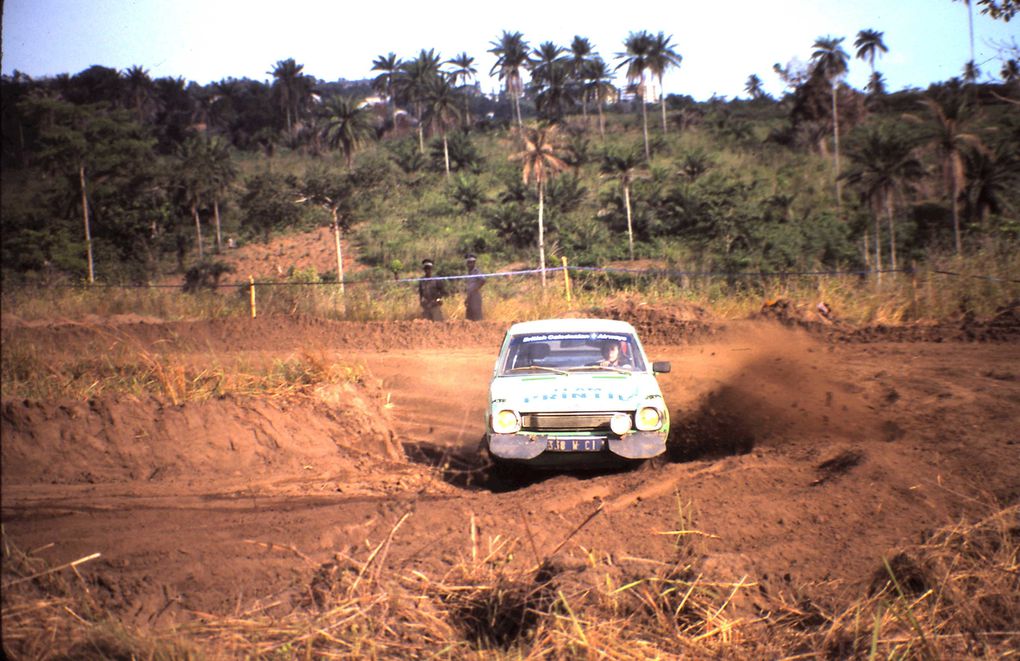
[572, 352]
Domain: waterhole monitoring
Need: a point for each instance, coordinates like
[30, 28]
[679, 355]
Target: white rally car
[575, 392]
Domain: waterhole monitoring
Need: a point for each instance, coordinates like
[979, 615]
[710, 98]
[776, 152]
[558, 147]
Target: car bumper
[565, 450]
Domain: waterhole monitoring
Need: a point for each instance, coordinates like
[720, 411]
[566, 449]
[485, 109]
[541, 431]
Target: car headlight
[648, 418]
[620, 423]
[506, 421]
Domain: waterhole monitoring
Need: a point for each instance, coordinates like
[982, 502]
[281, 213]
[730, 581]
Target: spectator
[473, 299]
[430, 294]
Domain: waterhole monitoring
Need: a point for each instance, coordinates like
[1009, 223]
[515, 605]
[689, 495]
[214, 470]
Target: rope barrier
[549, 270]
[977, 277]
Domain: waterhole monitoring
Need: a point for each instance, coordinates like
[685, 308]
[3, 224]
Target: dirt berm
[127, 439]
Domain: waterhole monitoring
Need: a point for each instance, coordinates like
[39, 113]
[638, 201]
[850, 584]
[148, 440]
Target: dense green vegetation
[112, 176]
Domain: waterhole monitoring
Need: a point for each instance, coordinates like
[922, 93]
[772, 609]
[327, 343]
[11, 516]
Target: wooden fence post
[566, 278]
[251, 291]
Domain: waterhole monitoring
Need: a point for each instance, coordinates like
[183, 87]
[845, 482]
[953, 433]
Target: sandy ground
[799, 458]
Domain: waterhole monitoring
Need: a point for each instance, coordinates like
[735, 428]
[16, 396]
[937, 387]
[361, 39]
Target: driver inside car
[611, 356]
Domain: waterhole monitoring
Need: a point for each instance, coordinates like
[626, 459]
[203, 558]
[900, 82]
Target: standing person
[473, 299]
[430, 294]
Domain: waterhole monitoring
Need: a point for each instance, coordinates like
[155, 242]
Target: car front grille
[565, 421]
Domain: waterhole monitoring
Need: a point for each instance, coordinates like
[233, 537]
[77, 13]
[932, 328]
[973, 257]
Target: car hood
[577, 391]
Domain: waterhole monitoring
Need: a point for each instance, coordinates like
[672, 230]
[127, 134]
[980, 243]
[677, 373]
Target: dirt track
[801, 459]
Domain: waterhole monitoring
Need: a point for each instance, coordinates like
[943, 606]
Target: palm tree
[635, 58]
[693, 164]
[557, 95]
[830, 60]
[622, 167]
[971, 72]
[551, 82]
[662, 57]
[884, 166]
[992, 174]
[869, 44]
[346, 123]
[544, 59]
[221, 173]
[332, 193]
[947, 130]
[442, 111]
[193, 180]
[413, 83]
[753, 87]
[599, 85]
[511, 53]
[139, 89]
[463, 72]
[389, 65]
[876, 84]
[580, 54]
[1010, 71]
[539, 161]
[292, 88]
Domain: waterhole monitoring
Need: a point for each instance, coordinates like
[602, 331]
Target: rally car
[575, 392]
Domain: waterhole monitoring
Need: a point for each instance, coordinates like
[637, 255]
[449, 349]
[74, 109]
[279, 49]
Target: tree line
[144, 167]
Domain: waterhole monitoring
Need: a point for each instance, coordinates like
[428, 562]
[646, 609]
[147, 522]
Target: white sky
[722, 43]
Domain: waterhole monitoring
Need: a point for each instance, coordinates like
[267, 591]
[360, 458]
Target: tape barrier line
[552, 269]
[990, 278]
[732, 274]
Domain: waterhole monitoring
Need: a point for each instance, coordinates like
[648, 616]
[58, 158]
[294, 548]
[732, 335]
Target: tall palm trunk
[867, 251]
[602, 123]
[892, 228]
[878, 246]
[216, 215]
[421, 128]
[515, 91]
[446, 154]
[541, 231]
[662, 102]
[393, 105]
[644, 121]
[630, 229]
[85, 217]
[956, 207]
[339, 254]
[970, 25]
[835, 135]
[198, 228]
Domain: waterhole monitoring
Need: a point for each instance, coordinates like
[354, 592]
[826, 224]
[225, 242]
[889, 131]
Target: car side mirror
[661, 367]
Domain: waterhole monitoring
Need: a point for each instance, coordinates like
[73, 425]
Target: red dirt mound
[118, 440]
[659, 324]
[1003, 326]
[276, 260]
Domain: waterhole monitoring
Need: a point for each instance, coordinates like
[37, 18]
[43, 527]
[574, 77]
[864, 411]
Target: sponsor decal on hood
[572, 393]
[575, 392]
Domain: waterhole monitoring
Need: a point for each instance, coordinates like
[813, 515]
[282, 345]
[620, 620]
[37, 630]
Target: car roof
[573, 325]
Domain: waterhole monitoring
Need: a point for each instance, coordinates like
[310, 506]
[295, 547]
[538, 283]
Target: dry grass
[950, 286]
[128, 368]
[956, 595]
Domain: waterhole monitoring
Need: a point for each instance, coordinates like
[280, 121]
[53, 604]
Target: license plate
[575, 444]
